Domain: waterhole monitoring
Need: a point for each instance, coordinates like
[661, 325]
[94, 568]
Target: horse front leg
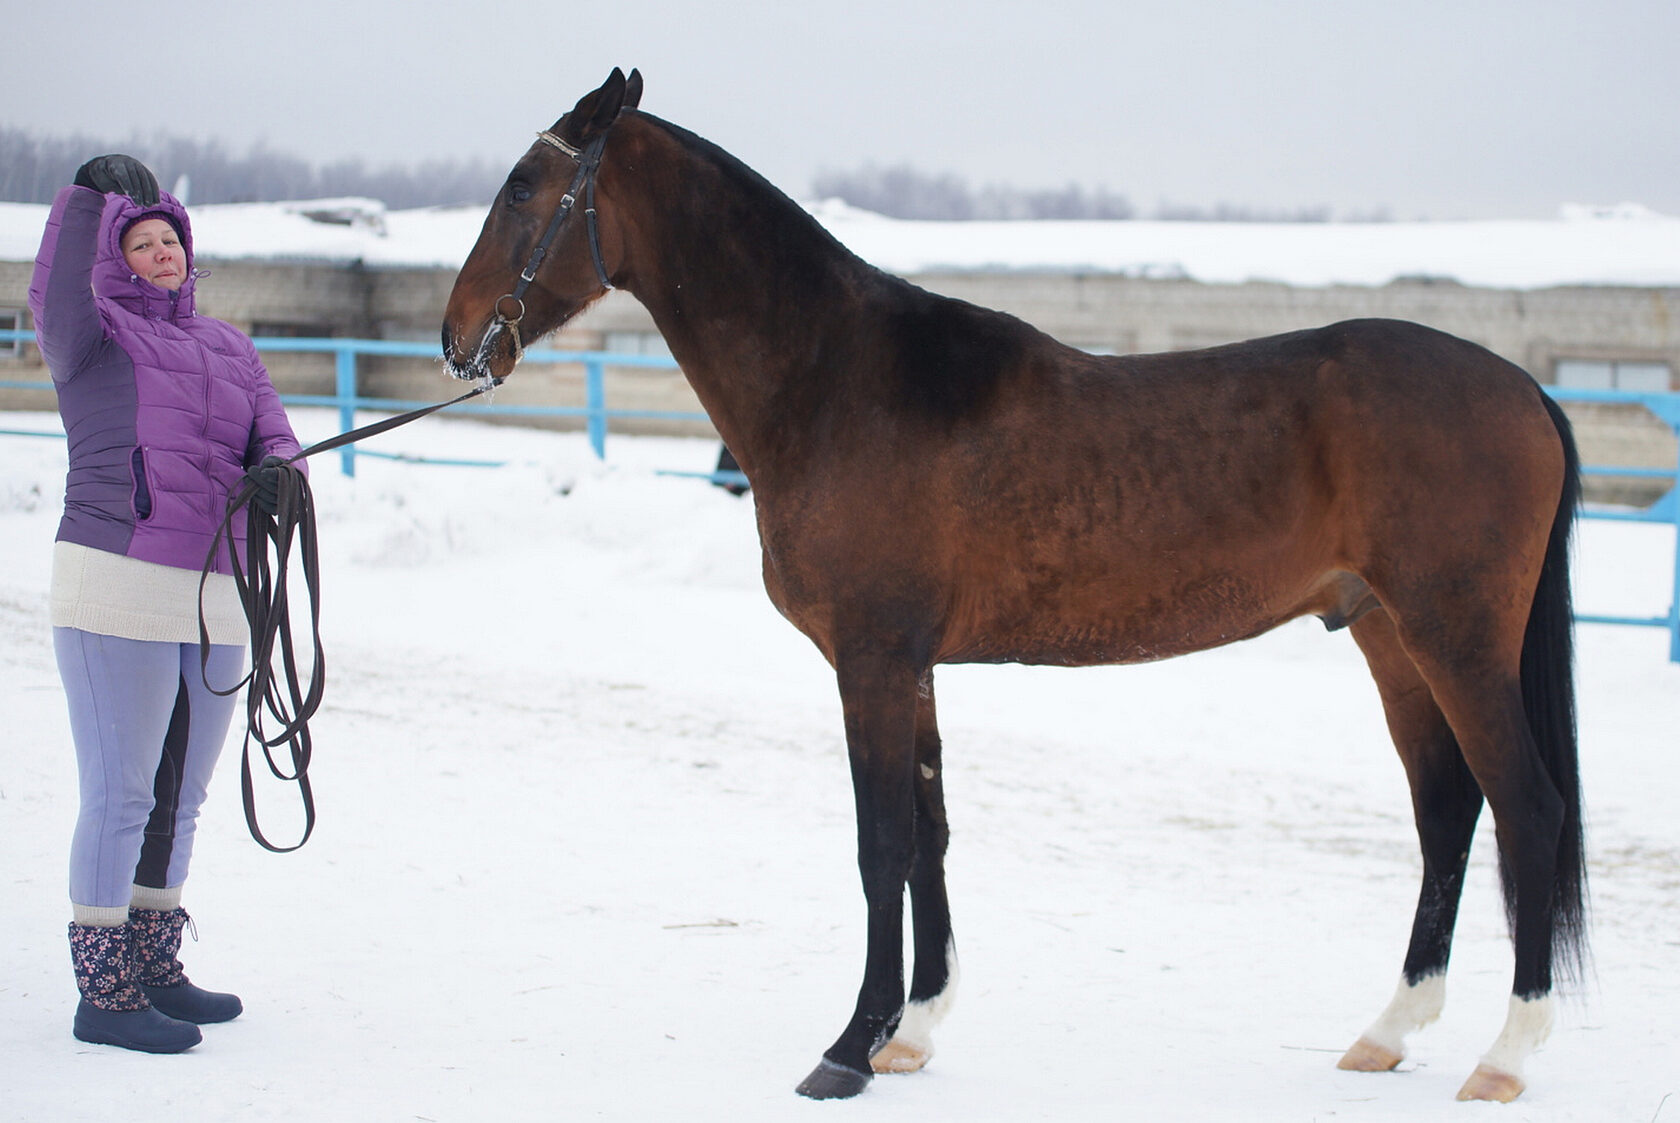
[933, 983]
[878, 696]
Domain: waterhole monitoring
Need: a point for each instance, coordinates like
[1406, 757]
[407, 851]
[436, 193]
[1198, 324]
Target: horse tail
[1548, 692]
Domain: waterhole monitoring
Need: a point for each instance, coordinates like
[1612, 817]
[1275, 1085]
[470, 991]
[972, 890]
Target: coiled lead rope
[263, 594]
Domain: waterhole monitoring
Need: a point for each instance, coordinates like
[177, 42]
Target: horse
[937, 482]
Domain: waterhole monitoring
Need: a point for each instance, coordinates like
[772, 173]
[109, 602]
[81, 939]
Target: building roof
[1622, 245]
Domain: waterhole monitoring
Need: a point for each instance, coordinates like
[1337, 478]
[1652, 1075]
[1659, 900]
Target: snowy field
[586, 848]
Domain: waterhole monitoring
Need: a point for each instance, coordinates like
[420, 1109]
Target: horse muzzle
[499, 346]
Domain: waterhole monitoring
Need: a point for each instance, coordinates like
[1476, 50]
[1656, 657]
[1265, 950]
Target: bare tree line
[33, 168]
[903, 192]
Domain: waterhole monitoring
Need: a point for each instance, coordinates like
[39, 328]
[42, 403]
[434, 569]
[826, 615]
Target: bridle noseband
[510, 307]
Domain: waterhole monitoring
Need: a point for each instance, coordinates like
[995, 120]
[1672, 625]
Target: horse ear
[633, 90]
[594, 110]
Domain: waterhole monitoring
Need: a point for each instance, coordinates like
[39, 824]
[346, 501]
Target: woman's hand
[265, 478]
[119, 174]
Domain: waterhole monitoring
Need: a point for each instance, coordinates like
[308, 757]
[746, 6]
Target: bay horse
[940, 483]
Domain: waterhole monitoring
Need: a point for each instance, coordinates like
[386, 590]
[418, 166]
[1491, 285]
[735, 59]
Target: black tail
[1548, 688]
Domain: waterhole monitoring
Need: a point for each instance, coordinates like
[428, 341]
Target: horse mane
[944, 357]
[774, 204]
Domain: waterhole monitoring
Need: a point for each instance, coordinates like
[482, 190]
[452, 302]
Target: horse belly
[1104, 625]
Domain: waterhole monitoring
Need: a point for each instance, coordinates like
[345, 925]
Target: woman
[166, 412]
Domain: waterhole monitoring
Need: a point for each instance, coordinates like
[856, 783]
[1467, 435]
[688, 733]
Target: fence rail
[348, 401]
[595, 412]
[597, 416]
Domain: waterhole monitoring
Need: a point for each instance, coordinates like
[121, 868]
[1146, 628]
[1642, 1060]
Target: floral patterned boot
[156, 939]
[113, 1011]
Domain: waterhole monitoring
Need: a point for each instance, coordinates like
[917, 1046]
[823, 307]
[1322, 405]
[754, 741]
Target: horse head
[536, 264]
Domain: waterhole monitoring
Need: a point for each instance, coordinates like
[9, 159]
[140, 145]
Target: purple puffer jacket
[164, 409]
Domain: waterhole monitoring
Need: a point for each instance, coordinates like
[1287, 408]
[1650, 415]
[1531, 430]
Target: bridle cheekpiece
[589, 162]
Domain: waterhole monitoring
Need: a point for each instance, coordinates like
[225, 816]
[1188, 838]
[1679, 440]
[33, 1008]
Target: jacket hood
[112, 278]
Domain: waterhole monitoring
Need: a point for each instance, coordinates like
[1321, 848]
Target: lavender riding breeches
[147, 735]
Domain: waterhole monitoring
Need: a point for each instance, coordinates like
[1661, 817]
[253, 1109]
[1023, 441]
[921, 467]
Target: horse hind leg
[1499, 1076]
[1514, 721]
[1446, 803]
[1530, 814]
[933, 984]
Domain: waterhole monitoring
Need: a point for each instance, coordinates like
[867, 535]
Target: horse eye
[518, 192]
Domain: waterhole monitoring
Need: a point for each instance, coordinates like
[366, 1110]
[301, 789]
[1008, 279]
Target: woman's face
[154, 253]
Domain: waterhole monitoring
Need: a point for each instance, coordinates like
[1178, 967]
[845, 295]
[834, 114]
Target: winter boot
[156, 939]
[113, 1011]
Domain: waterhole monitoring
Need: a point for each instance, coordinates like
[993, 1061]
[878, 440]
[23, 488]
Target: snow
[1594, 245]
[586, 847]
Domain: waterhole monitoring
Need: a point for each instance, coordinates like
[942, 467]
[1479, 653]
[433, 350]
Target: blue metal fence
[597, 416]
[1666, 408]
[595, 412]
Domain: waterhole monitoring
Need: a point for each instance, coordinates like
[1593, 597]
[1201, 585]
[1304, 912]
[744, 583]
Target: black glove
[118, 174]
[265, 477]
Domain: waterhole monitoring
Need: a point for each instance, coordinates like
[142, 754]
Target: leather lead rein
[263, 596]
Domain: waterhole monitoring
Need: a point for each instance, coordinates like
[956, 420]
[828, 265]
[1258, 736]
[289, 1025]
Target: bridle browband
[588, 162]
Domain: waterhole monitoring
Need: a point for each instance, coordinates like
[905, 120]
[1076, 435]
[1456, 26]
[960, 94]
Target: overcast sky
[1425, 108]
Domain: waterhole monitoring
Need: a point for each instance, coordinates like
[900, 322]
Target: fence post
[1674, 604]
[1666, 408]
[595, 384]
[346, 369]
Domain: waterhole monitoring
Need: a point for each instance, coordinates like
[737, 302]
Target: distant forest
[33, 168]
[904, 192]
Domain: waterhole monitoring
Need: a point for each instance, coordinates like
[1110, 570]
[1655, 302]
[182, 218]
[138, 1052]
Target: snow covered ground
[585, 844]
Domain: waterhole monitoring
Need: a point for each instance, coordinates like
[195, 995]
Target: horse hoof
[830, 1081]
[896, 1056]
[1367, 1056]
[1491, 1084]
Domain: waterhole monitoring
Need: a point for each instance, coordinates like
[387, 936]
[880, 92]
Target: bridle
[510, 307]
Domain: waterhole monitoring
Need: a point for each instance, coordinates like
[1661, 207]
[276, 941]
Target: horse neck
[747, 289]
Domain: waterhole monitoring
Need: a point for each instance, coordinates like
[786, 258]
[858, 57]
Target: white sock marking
[915, 1027]
[1411, 1008]
[1527, 1026]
